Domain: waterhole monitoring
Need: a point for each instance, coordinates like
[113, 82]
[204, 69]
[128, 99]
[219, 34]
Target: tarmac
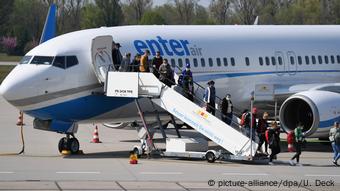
[105, 166]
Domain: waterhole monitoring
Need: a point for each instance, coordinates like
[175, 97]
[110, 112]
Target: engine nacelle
[55, 126]
[315, 110]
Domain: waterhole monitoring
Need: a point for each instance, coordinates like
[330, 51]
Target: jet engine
[315, 110]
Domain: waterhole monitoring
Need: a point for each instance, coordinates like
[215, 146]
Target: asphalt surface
[105, 166]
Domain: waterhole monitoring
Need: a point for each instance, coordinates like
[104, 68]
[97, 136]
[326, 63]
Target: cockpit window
[59, 62]
[44, 60]
[65, 61]
[25, 60]
[71, 61]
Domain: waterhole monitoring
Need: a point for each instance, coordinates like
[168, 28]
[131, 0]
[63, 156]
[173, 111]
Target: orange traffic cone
[20, 119]
[95, 136]
[133, 158]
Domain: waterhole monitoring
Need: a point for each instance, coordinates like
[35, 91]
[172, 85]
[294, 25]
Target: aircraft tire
[73, 145]
[62, 145]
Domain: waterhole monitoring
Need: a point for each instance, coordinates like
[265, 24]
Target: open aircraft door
[101, 56]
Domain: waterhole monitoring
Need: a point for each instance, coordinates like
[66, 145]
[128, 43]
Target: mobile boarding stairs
[141, 85]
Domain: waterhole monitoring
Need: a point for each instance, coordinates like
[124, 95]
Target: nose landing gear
[69, 144]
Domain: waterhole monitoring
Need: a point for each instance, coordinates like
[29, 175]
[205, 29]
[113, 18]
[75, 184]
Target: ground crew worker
[144, 62]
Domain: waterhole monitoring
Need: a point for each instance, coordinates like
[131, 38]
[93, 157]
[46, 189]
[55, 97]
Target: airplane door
[280, 66]
[101, 56]
[292, 65]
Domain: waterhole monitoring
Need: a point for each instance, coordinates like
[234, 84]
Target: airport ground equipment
[141, 85]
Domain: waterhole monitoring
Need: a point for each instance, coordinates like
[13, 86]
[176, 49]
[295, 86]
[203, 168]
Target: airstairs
[141, 85]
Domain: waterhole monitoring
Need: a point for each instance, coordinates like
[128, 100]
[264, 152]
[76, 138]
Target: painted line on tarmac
[326, 175]
[69, 172]
[245, 174]
[6, 172]
[161, 173]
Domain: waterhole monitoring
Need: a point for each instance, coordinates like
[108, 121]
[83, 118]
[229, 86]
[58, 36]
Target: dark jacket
[225, 105]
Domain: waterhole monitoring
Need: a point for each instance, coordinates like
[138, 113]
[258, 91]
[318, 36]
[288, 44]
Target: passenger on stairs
[188, 83]
[125, 65]
[274, 141]
[116, 55]
[135, 63]
[166, 73]
[227, 109]
[156, 62]
[262, 126]
[209, 97]
[144, 62]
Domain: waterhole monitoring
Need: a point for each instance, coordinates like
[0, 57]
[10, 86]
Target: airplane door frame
[280, 68]
[291, 64]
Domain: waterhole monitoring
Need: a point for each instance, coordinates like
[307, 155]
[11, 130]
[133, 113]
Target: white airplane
[59, 85]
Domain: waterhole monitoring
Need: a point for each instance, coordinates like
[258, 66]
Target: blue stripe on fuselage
[213, 76]
[81, 108]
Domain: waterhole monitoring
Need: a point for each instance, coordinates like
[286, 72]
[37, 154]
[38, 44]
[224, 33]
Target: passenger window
[267, 61]
[232, 61]
[247, 61]
[261, 61]
[71, 61]
[225, 61]
[173, 63]
[25, 60]
[338, 58]
[180, 62]
[280, 60]
[187, 61]
[273, 61]
[44, 60]
[211, 62]
[59, 62]
[218, 61]
[300, 59]
[313, 60]
[202, 62]
[307, 60]
[292, 60]
[195, 62]
[326, 59]
[332, 59]
[320, 59]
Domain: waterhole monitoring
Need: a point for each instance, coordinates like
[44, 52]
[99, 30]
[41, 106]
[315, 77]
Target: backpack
[337, 137]
[266, 134]
[244, 119]
[291, 137]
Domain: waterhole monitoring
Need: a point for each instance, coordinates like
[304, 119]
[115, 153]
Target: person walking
[298, 135]
[135, 63]
[209, 97]
[187, 83]
[334, 138]
[144, 62]
[262, 127]
[274, 141]
[166, 73]
[156, 62]
[116, 55]
[227, 109]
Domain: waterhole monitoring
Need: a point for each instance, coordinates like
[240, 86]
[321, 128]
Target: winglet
[256, 22]
[50, 25]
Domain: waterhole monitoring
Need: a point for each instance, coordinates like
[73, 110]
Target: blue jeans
[336, 150]
[247, 130]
